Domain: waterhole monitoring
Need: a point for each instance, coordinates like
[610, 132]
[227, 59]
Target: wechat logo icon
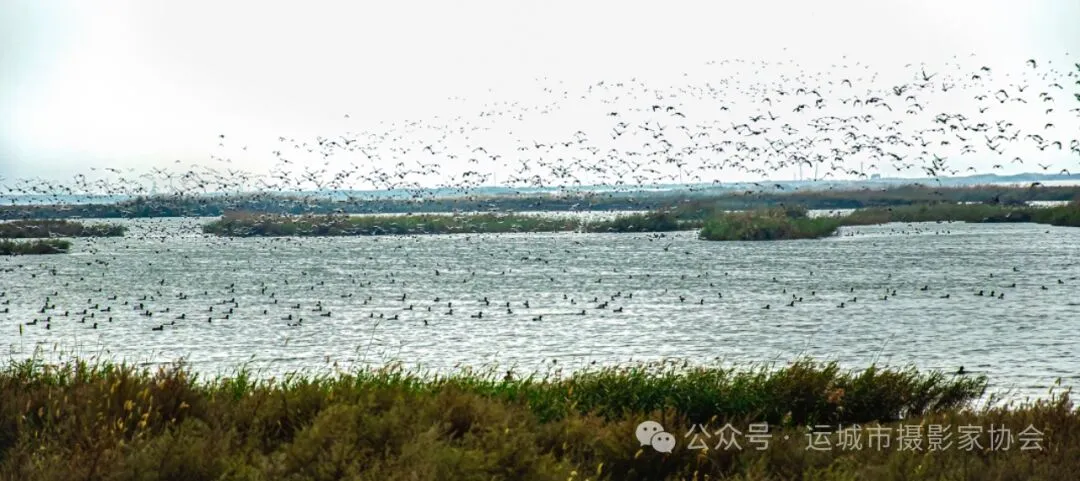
[651, 433]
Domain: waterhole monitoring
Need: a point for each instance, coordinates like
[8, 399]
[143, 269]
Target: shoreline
[777, 223]
[824, 199]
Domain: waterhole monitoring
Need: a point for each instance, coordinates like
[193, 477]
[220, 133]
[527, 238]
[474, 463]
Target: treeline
[898, 196]
[187, 206]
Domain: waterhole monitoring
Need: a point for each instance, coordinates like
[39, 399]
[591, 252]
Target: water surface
[679, 297]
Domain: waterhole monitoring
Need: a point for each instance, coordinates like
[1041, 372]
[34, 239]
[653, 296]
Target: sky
[138, 84]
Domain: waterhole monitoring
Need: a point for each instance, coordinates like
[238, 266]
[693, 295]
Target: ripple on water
[1023, 341]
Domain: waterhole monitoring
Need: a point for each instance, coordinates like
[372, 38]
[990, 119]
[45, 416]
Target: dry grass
[103, 421]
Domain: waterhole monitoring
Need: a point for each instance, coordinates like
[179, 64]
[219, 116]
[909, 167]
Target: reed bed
[34, 247]
[246, 224]
[788, 223]
[98, 420]
[23, 229]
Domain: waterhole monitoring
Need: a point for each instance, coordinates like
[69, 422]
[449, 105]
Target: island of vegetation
[246, 224]
[773, 223]
[780, 223]
[40, 246]
[43, 228]
[777, 223]
[101, 421]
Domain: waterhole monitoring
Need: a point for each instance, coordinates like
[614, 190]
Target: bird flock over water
[755, 119]
[751, 118]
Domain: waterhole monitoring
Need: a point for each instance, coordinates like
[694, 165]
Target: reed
[1064, 215]
[777, 223]
[22, 229]
[99, 420]
[247, 224]
[34, 247]
[788, 223]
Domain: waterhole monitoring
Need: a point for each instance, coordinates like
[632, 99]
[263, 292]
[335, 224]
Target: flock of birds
[849, 125]
[751, 118]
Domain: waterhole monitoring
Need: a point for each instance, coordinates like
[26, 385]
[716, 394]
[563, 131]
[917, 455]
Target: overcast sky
[135, 83]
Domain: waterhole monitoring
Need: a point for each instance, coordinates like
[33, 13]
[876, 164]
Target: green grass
[42, 246]
[22, 229]
[243, 224]
[83, 420]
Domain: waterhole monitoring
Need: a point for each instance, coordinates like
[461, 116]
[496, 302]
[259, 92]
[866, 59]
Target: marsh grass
[776, 223]
[653, 221]
[22, 229]
[247, 224]
[1064, 215]
[83, 420]
[33, 247]
[781, 223]
[772, 223]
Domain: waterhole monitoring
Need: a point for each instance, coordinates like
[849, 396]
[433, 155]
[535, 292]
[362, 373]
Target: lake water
[679, 297]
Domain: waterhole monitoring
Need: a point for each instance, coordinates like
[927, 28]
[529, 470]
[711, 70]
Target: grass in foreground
[22, 229]
[46, 246]
[103, 421]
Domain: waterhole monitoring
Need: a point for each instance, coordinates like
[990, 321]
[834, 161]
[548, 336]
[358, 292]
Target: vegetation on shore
[774, 223]
[703, 208]
[24, 229]
[1064, 215]
[687, 203]
[105, 421]
[41, 246]
[781, 223]
[245, 224]
[777, 223]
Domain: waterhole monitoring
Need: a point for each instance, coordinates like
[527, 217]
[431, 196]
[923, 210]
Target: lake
[418, 300]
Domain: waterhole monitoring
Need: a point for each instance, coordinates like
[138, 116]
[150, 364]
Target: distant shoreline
[773, 223]
[47, 228]
[793, 222]
[188, 206]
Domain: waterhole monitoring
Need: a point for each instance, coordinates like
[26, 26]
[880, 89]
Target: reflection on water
[420, 299]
